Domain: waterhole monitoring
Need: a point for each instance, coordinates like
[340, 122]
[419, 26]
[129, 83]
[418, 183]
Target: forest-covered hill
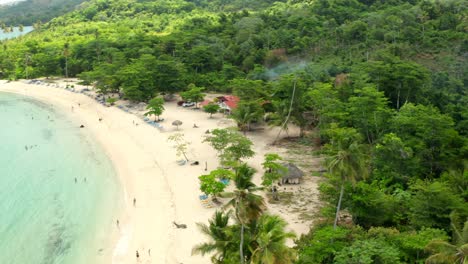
[383, 84]
[29, 12]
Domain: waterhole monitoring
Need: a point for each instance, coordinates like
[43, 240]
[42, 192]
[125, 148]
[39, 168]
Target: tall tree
[369, 112]
[346, 159]
[247, 205]
[221, 239]
[402, 81]
[432, 137]
[270, 238]
[291, 102]
[66, 54]
[450, 253]
[246, 113]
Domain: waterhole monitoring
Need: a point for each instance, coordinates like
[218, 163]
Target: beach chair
[206, 201]
[225, 181]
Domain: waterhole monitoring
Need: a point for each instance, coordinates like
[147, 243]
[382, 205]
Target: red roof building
[228, 102]
[206, 102]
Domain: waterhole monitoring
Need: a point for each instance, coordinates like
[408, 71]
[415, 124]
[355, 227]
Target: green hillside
[30, 12]
[382, 84]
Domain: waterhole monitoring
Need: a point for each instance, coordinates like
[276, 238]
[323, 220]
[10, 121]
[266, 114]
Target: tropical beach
[234, 132]
[145, 162]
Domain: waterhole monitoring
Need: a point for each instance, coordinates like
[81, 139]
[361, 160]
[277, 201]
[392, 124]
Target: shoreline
[146, 167]
[148, 225]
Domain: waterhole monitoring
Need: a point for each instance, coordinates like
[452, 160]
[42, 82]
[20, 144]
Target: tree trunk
[66, 67]
[241, 250]
[398, 99]
[338, 206]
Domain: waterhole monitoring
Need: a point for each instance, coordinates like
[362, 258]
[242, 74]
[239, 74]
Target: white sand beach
[146, 164]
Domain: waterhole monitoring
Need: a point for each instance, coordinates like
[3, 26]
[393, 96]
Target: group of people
[118, 226]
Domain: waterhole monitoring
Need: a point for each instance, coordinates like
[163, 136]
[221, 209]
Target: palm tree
[347, 159]
[246, 113]
[66, 53]
[270, 242]
[247, 205]
[445, 252]
[221, 238]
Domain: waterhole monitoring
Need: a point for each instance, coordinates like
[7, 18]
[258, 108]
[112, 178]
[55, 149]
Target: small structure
[177, 123]
[293, 175]
[228, 102]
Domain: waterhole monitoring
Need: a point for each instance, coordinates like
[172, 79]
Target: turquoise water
[15, 33]
[45, 217]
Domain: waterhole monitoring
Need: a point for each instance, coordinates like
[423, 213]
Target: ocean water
[15, 33]
[45, 216]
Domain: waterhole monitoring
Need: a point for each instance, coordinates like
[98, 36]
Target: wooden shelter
[293, 174]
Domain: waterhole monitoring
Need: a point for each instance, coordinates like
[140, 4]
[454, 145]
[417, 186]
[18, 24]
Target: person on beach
[76, 180]
[118, 223]
[100, 119]
[149, 252]
[134, 202]
[137, 255]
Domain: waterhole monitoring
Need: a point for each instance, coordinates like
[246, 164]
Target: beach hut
[293, 174]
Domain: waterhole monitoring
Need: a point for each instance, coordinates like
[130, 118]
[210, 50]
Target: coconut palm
[247, 205]
[444, 252]
[347, 159]
[270, 239]
[221, 238]
[246, 113]
[66, 54]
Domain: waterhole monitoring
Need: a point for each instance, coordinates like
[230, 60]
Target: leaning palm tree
[247, 205]
[221, 238]
[270, 242]
[445, 252]
[347, 159]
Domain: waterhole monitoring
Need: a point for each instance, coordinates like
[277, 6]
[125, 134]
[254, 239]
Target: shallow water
[15, 33]
[45, 216]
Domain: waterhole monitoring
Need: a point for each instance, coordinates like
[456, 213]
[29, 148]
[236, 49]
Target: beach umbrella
[177, 123]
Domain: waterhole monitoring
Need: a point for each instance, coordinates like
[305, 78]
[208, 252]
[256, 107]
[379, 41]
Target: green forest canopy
[388, 75]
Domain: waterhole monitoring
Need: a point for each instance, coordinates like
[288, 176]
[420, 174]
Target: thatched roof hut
[293, 175]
